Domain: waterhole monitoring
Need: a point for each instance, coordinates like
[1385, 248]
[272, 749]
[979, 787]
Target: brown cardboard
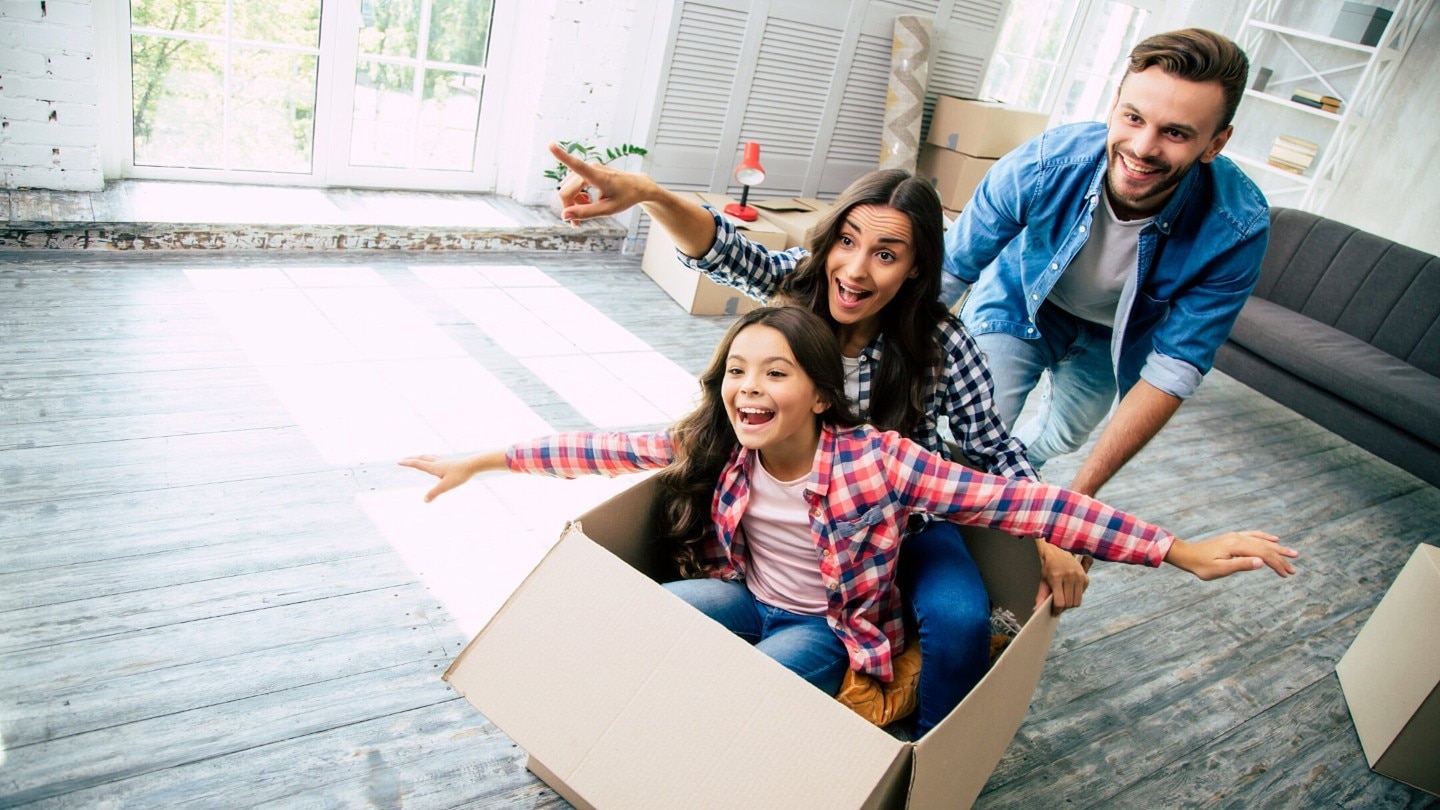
[795, 216]
[624, 696]
[1391, 676]
[981, 128]
[695, 291]
[954, 175]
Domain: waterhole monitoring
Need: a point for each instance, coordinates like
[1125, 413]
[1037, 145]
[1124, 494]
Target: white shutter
[806, 79]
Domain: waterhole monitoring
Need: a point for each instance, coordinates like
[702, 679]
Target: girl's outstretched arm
[1231, 553]
[454, 472]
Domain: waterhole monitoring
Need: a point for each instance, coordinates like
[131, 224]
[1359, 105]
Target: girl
[786, 519]
[872, 272]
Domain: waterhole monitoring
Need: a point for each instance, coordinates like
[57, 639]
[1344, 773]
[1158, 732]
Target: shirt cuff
[718, 248]
[1175, 377]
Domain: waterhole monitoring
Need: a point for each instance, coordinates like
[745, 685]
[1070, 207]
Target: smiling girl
[786, 519]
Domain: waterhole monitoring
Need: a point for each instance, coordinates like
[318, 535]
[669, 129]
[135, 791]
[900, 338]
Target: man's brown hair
[1197, 55]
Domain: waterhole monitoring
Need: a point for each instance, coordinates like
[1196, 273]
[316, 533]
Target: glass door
[349, 92]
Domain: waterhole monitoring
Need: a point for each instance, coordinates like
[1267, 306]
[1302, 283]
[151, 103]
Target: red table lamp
[749, 173]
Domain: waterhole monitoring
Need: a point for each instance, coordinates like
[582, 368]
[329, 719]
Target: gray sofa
[1344, 328]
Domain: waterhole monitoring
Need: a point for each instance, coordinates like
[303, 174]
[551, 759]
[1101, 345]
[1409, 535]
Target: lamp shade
[750, 172]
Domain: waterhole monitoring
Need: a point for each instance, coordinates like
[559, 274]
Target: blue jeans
[805, 645]
[1081, 386]
[946, 596]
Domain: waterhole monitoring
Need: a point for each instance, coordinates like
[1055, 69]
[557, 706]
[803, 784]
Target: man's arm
[1140, 415]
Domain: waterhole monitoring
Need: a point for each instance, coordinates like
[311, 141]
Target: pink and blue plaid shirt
[863, 488]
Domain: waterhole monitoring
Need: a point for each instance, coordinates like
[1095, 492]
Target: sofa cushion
[1377, 290]
[1350, 368]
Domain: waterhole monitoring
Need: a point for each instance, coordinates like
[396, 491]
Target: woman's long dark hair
[704, 440]
[911, 359]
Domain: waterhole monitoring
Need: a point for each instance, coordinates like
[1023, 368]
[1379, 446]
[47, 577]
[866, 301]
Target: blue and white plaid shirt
[962, 396]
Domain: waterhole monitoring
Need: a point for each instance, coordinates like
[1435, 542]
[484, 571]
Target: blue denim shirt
[1198, 258]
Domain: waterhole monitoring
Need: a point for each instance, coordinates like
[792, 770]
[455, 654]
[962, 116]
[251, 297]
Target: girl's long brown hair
[704, 440]
[910, 362]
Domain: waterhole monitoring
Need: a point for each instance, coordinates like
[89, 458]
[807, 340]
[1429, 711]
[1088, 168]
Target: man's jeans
[1081, 383]
[803, 644]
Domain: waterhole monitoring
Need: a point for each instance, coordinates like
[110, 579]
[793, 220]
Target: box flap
[955, 759]
[1385, 675]
[788, 205]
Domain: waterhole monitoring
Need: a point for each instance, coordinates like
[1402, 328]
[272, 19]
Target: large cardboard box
[953, 174]
[1391, 676]
[626, 697]
[795, 216]
[981, 128]
[695, 291]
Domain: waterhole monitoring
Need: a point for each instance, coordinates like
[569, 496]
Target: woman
[872, 272]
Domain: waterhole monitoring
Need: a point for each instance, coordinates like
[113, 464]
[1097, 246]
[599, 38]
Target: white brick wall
[49, 96]
[578, 74]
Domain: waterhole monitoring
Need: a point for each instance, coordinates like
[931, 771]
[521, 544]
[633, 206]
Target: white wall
[587, 69]
[49, 96]
[582, 70]
[1390, 187]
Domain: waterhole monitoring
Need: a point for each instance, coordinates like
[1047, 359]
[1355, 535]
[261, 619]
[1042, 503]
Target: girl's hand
[452, 473]
[1230, 553]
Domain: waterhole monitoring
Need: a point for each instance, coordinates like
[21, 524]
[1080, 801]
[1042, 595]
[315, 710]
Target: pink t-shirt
[783, 568]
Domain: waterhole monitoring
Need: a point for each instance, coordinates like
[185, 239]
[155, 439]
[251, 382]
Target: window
[1065, 57]
[374, 92]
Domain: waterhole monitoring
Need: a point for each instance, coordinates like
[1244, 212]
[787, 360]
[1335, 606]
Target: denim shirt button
[1034, 296]
[1054, 266]
[1082, 229]
[1030, 330]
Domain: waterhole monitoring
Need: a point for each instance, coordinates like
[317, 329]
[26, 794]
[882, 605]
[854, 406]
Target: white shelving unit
[1283, 35]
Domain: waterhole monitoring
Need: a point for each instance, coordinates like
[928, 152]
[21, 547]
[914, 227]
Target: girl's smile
[772, 403]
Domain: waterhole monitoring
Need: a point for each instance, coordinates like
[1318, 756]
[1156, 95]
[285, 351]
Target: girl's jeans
[802, 644]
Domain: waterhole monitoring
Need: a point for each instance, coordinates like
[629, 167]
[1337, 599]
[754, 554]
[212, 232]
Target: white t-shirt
[1090, 287]
[784, 568]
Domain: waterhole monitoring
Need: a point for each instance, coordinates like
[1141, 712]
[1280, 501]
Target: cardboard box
[1361, 23]
[626, 697]
[953, 174]
[981, 128]
[1391, 677]
[693, 290]
[795, 216]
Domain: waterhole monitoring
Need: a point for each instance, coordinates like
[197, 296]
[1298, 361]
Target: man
[1114, 256]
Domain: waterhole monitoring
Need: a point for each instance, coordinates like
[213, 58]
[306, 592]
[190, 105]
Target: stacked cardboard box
[625, 696]
[965, 139]
[795, 216]
[693, 290]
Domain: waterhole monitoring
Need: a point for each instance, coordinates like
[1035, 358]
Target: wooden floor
[216, 593]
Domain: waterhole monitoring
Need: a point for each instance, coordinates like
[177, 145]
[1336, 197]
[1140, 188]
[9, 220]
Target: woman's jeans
[1081, 386]
[947, 598]
[802, 644]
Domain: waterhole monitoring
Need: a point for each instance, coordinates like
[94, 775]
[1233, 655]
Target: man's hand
[1231, 553]
[1062, 574]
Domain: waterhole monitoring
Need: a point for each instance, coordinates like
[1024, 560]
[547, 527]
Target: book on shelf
[1292, 154]
[1319, 101]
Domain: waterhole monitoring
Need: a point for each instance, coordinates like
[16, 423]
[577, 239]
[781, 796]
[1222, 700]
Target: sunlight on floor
[370, 378]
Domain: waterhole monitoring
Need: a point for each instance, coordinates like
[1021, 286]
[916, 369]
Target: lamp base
[741, 211]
